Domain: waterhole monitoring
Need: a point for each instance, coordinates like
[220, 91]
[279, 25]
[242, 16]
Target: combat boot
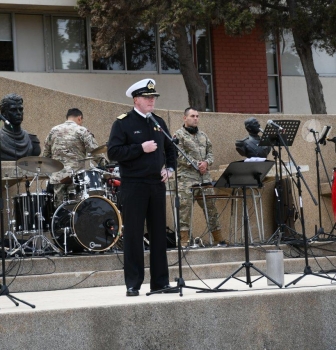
[184, 237]
[217, 238]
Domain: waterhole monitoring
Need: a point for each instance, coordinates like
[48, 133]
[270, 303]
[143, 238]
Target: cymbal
[43, 164]
[10, 181]
[14, 180]
[98, 150]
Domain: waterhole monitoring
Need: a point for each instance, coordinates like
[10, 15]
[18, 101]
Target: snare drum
[93, 224]
[92, 179]
[26, 212]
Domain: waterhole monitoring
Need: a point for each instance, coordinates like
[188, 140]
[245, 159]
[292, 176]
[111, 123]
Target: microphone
[150, 116]
[109, 224]
[261, 130]
[271, 122]
[5, 120]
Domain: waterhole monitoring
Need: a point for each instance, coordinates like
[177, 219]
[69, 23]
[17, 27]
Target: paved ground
[108, 296]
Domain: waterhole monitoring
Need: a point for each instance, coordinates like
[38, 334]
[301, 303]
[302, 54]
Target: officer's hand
[165, 174]
[149, 146]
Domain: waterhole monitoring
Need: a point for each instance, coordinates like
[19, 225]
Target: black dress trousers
[144, 202]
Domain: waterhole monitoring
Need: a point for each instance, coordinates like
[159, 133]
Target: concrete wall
[44, 108]
[272, 320]
[109, 87]
[295, 96]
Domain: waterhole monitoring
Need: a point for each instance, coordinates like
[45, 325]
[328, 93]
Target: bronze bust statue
[249, 146]
[16, 143]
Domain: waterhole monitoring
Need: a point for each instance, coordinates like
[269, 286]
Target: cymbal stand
[40, 238]
[13, 248]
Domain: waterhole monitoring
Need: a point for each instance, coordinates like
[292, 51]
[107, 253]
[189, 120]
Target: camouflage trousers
[62, 193]
[186, 197]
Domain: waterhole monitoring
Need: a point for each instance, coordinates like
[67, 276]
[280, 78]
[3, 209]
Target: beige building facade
[32, 32]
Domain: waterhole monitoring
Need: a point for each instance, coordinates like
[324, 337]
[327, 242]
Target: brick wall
[239, 72]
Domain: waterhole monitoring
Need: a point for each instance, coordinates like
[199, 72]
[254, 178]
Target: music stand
[285, 136]
[242, 174]
[270, 136]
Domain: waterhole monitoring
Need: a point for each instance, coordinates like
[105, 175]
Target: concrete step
[114, 260]
[97, 270]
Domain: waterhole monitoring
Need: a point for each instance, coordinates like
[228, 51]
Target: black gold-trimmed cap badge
[150, 85]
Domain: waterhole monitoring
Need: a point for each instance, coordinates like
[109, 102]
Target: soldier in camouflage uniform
[198, 148]
[68, 143]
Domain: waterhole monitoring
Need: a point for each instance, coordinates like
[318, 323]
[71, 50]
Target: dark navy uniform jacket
[128, 132]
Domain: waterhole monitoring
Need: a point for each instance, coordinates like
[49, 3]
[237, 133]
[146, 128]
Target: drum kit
[88, 220]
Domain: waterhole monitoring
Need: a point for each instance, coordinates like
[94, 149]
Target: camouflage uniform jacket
[197, 147]
[68, 143]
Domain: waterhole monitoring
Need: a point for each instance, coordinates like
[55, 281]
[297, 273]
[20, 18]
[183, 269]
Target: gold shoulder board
[122, 116]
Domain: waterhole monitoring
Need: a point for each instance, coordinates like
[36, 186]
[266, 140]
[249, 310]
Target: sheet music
[255, 159]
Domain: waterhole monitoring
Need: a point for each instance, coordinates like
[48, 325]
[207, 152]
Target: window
[30, 51]
[69, 39]
[325, 64]
[48, 43]
[203, 57]
[6, 43]
[115, 62]
[273, 78]
[141, 51]
[203, 51]
[138, 53]
[168, 55]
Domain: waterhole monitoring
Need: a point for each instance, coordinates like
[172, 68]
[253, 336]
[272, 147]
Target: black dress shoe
[131, 292]
[166, 289]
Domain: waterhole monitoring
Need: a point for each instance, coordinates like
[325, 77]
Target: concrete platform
[262, 317]
[81, 303]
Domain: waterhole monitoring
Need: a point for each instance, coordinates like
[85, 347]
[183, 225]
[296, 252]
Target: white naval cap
[144, 87]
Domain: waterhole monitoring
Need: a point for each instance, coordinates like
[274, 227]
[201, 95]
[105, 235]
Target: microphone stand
[180, 281]
[307, 269]
[320, 231]
[4, 291]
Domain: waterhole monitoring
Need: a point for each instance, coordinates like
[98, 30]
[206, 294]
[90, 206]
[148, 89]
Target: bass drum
[93, 224]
